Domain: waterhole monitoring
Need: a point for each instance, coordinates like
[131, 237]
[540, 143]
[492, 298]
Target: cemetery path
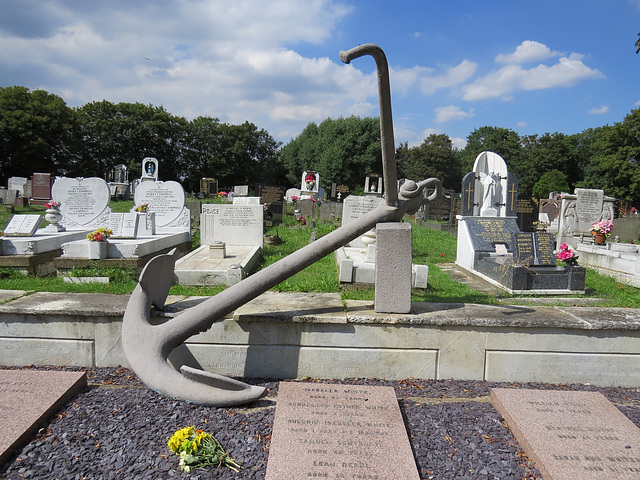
[117, 428]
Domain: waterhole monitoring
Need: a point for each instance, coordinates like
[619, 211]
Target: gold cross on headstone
[469, 191]
[512, 192]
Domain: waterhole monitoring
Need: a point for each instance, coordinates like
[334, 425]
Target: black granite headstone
[511, 199]
[527, 213]
[525, 253]
[468, 191]
[545, 246]
[486, 232]
[273, 197]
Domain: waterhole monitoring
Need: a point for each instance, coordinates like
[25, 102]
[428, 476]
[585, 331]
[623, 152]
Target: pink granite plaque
[27, 397]
[339, 432]
[571, 435]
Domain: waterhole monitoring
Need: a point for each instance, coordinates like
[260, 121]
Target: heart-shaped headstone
[82, 200]
[165, 199]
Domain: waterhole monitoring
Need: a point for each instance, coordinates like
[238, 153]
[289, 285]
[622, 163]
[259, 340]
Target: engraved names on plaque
[535, 248]
[485, 233]
[123, 225]
[566, 434]
[339, 432]
[23, 225]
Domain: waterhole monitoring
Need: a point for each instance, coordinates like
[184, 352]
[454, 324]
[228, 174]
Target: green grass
[430, 247]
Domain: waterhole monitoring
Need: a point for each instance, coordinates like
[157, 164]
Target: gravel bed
[117, 428]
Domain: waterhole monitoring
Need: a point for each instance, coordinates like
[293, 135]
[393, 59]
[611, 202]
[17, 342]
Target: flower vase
[53, 216]
[600, 239]
[98, 250]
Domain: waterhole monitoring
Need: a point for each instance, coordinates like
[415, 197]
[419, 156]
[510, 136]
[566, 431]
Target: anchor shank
[389, 172]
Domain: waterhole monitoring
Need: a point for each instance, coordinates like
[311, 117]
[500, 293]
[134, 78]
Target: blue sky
[532, 67]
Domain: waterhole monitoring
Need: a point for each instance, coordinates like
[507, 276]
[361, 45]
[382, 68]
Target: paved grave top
[339, 431]
[82, 200]
[571, 434]
[27, 397]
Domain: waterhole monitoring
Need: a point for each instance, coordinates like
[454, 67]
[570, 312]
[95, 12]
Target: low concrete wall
[294, 335]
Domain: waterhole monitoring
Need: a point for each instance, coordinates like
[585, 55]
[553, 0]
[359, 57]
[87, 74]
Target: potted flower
[601, 230]
[567, 255]
[98, 246]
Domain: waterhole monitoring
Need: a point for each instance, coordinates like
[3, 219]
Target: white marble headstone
[246, 201]
[490, 185]
[232, 224]
[123, 225]
[355, 207]
[83, 201]
[165, 199]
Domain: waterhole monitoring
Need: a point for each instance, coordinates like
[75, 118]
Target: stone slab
[41, 242]
[339, 431]
[559, 367]
[29, 397]
[571, 434]
[20, 352]
[129, 248]
[393, 268]
[197, 268]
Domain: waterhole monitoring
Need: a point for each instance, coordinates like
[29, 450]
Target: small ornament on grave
[53, 216]
[540, 226]
[310, 181]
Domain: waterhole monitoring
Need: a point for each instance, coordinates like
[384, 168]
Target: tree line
[39, 133]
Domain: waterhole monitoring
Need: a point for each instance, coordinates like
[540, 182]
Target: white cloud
[450, 78]
[598, 110]
[451, 112]
[527, 51]
[522, 124]
[504, 81]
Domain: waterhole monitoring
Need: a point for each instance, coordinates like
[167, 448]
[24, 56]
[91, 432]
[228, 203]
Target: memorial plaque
[17, 183]
[273, 197]
[550, 207]
[339, 432]
[209, 186]
[356, 207]
[165, 199]
[23, 225]
[241, 190]
[524, 249]
[545, 245]
[589, 203]
[440, 208]
[246, 200]
[485, 233]
[571, 435]
[123, 225]
[527, 212]
[232, 224]
[82, 200]
[41, 186]
[342, 192]
[28, 397]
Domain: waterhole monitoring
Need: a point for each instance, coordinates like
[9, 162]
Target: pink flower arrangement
[294, 198]
[603, 226]
[301, 220]
[52, 204]
[567, 255]
[223, 194]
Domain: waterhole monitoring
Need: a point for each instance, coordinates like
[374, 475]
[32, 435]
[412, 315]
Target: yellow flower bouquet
[199, 449]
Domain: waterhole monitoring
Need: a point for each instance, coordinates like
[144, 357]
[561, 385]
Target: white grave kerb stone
[491, 185]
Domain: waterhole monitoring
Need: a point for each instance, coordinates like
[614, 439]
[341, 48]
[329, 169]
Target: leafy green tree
[542, 154]
[126, 133]
[552, 181]
[614, 162]
[344, 151]
[502, 141]
[36, 132]
[433, 158]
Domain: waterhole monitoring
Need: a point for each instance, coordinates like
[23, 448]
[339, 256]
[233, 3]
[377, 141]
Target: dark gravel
[118, 428]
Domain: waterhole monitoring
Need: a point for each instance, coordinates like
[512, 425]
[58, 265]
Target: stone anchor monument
[147, 344]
